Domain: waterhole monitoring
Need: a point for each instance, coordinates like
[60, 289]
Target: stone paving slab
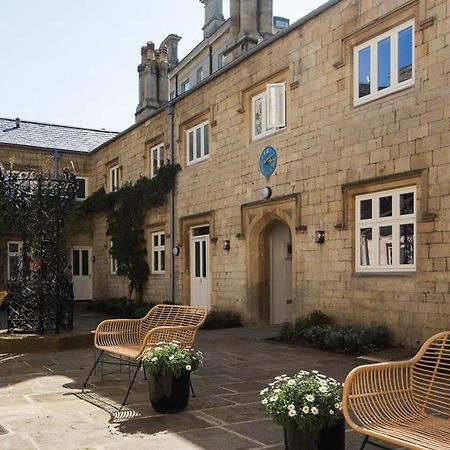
[42, 407]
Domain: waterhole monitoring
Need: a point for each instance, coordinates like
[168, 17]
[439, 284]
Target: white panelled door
[82, 273]
[199, 266]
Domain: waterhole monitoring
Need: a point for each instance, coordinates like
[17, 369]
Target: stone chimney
[213, 16]
[251, 23]
[153, 80]
[171, 42]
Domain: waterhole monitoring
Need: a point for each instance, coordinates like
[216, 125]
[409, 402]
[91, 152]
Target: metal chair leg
[131, 385]
[145, 373]
[92, 370]
[192, 389]
[366, 438]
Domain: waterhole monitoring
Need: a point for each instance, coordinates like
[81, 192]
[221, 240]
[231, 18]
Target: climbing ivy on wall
[125, 209]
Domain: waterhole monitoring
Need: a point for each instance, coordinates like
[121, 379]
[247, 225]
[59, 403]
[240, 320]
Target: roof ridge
[60, 125]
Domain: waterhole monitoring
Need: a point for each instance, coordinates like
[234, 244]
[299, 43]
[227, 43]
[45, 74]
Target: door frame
[207, 239]
[90, 267]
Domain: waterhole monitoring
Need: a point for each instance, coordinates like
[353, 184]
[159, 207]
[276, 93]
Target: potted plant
[169, 367]
[309, 408]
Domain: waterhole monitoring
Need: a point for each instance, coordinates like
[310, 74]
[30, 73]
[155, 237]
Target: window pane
[206, 139]
[85, 262]
[384, 63]
[161, 240]
[155, 261]
[198, 143]
[197, 259]
[386, 206]
[163, 262]
[407, 203]
[155, 161]
[385, 248]
[13, 267]
[204, 259]
[366, 209]
[407, 243]
[155, 240]
[366, 246]
[13, 247]
[161, 156]
[258, 116]
[364, 72]
[81, 191]
[191, 146]
[405, 45]
[76, 262]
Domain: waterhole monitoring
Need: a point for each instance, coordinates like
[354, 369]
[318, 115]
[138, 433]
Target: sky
[75, 62]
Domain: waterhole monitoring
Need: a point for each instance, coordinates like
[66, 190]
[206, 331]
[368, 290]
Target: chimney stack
[153, 80]
[213, 16]
[171, 42]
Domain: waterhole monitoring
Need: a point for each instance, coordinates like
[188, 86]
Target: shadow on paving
[44, 391]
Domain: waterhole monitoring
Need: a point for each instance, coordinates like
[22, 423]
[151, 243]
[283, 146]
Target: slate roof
[45, 135]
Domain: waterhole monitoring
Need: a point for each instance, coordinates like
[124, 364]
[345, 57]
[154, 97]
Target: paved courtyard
[41, 406]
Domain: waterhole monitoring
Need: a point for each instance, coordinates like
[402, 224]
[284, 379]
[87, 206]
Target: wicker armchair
[132, 338]
[404, 403]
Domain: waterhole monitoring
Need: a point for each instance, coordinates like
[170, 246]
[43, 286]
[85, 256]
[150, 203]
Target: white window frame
[115, 178]
[375, 222]
[159, 149]
[202, 156]
[113, 261]
[200, 74]
[220, 61]
[185, 86]
[160, 250]
[11, 254]
[273, 101]
[373, 44]
[86, 189]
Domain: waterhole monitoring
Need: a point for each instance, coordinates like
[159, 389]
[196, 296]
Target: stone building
[315, 174]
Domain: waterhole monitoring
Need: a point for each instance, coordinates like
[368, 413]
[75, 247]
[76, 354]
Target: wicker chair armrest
[117, 332]
[370, 390]
[185, 335]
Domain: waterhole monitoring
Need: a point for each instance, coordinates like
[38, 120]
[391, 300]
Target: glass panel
[155, 161]
[76, 262]
[200, 231]
[385, 248]
[364, 72]
[204, 259]
[85, 262]
[155, 240]
[384, 63]
[407, 243]
[13, 247]
[386, 206]
[197, 259]
[206, 139]
[258, 116]
[163, 260]
[191, 146]
[161, 156]
[366, 209]
[13, 267]
[405, 45]
[198, 143]
[366, 246]
[161, 239]
[407, 203]
[156, 261]
[81, 191]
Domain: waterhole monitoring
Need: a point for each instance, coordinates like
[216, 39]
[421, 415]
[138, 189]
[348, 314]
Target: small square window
[82, 191]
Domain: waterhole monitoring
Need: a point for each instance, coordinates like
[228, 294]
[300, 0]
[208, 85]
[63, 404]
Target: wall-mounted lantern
[320, 237]
[226, 244]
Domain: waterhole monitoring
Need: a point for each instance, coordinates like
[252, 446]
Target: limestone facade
[329, 152]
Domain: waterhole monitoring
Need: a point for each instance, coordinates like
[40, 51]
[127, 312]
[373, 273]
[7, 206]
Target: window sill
[399, 273]
[158, 273]
[267, 136]
[385, 93]
[197, 161]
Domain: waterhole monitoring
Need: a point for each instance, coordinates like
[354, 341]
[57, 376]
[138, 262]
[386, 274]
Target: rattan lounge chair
[404, 403]
[132, 338]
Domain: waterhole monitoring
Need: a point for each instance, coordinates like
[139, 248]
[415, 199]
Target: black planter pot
[326, 439]
[169, 394]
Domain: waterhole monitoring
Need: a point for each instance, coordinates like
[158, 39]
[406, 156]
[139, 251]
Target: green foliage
[7, 218]
[308, 402]
[317, 330]
[125, 210]
[171, 359]
[222, 319]
[120, 308]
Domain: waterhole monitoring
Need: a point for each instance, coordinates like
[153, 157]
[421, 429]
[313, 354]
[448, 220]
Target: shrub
[295, 332]
[119, 308]
[222, 319]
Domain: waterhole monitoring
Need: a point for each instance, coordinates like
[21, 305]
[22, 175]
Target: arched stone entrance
[270, 265]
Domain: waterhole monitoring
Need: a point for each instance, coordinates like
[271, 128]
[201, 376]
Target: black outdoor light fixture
[266, 192]
[226, 244]
[320, 237]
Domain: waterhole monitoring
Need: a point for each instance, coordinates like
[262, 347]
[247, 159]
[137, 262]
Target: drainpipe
[210, 60]
[170, 111]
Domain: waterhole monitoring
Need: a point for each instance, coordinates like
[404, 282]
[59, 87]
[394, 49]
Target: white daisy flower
[292, 413]
[323, 389]
[291, 382]
[314, 371]
[291, 406]
[305, 409]
[264, 401]
[188, 367]
[336, 405]
[310, 398]
[263, 391]
[274, 398]
[331, 412]
[314, 410]
[154, 359]
[171, 357]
